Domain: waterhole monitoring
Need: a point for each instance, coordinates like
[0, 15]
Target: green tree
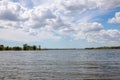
[17, 48]
[34, 47]
[8, 48]
[25, 47]
[1, 47]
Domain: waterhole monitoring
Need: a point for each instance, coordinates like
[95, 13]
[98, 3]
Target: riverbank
[105, 47]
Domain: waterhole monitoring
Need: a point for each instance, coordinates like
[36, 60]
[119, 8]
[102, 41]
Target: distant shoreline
[59, 49]
[27, 47]
[104, 47]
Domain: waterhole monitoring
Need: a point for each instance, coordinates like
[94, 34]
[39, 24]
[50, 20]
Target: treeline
[18, 48]
[105, 47]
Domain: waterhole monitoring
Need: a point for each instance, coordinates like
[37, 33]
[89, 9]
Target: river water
[60, 65]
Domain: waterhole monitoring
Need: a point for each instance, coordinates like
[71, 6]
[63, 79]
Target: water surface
[60, 65]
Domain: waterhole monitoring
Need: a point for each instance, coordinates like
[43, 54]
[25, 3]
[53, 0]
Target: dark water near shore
[60, 65]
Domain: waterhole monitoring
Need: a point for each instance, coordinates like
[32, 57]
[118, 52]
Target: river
[60, 65]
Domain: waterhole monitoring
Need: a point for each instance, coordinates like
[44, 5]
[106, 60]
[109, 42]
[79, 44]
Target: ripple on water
[50, 65]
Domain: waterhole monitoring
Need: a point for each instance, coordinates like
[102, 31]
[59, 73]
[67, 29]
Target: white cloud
[10, 11]
[25, 22]
[94, 32]
[87, 31]
[51, 22]
[79, 6]
[26, 3]
[105, 4]
[39, 17]
[76, 6]
[110, 35]
[10, 14]
[89, 27]
[115, 19]
[20, 35]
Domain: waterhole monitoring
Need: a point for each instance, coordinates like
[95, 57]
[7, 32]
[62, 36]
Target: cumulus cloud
[110, 35]
[1, 27]
[39, 17]
[89, 27]
[7, 15]
[10, 11]
[92, 32]
[52, 22]
[87, 30]
[105, 4]
[79, 6]
[14, 16]
[10, 14]
[115, 19]
[26, 3]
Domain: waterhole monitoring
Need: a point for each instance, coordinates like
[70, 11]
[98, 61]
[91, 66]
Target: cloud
[105, 4]
[2, 27]
[110, 35]
[22, 36]
[25, 22]
[10, 11]
[7, 15]
[115, 19]
[26, 3]
[61, 18]
[87, 31]
[10, 14]
[89, 27]
[95, 32]
[39, 17]
[79, 6]
[76, 6]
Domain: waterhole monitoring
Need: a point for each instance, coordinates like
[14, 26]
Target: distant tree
[17, 48]
[8, 48]
[25, 47]
[106, 47]
[1, 47]
[34, 47]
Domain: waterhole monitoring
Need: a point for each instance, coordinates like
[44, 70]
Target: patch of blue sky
[103, 19]
[15, 0]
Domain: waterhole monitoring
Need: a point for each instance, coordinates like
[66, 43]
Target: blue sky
[60, 23]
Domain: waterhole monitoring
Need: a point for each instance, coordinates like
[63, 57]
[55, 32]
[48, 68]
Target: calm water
[60, 65]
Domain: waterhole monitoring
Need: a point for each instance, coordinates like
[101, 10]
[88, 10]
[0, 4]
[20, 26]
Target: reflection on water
[60, 65]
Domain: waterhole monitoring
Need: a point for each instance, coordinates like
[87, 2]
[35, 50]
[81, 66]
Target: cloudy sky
[60, 23]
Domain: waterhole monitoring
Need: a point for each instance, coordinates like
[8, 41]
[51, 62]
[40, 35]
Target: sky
[60, 23]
